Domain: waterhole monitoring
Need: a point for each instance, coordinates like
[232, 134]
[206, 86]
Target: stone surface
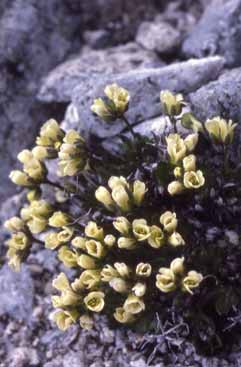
[218, 32]
[158, 36]
[16, 291]
[144, 87]
[91, 64]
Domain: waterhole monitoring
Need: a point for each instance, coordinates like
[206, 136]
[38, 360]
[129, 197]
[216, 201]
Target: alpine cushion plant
[148, 229]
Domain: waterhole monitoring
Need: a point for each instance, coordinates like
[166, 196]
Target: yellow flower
[86, 322]
[66, 234]
[95, 248]
[121, 198]
[19, 241]
[37, 224]
[89, 278]
[50, 134]
[190, 142]
[64, 319]
[172, 104]
[177, 266]
[94, 301]
[176, 148]
[109, 240]
[79, 242]
[104, 197]
[189, 163]
[176, 240]
[20, 178]
[59, 219]
[115, 181]
[175, 188]
[134, 304]
[14, 224]
[140, 229]
[191, 281]
[93, 231]
[143, 270]
[61, 283]
[139, 190]
[122, 316]
[119, 285]
[123, 269]
[193, 180]
[139, 289]
[68, 257]
[51, 241]
[108, 272]
[122, 225]
[14, 259]
[127, 243]
[34, 195]
[40, 153]
[169, 221]
[165, 281]
[102, 109]
[86, 262]
[157, 238]
[220, 130]
[119, 96]
[178, 172]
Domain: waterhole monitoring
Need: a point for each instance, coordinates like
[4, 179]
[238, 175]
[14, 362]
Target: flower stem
[130, 128]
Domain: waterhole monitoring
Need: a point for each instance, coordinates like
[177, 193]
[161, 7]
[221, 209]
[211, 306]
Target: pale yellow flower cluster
[121, 195]
[172, 104]
[174, 277]
[221, 130]
[116, 104]
[185, 172]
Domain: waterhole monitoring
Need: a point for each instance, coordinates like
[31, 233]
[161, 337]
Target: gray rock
[144, 87]
[90, 64]
[158, 36]
[217, 33]
[74, 359]
[23, 356]
[16, 291]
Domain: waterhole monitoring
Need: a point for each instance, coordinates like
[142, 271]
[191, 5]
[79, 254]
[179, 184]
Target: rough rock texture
[144, 86]
[217, 33]
[60, 82]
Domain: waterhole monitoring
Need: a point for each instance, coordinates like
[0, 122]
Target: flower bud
[172, 104]
[176, 240]
[122, 316]
[121, 198]
[40, 153]
[175, 188]
[134, 305]
[93, 231]
[14, 259]
[50, 134]
[165, 281]
[189, 121]
[20, 178]
[35, 170]
[139, 190]
[122, 225]
[191, 142]
[177, 266]
[139, 289]
[193, 180]
[104, 197]
[64, 319]
[89, 278]
[119, 96]
[14, 224]
[65, 235]
[61, 283]
[25, 156]
[140, 229]
[123, 269]
[157, 238]
[143, 270]
[86, 322]
[119, 285]
[109, 240]
[51, 241]
[86, 262]
[37, 224]
[34, 195]
[59, 219]
[95, 248]
[178, 172]
[19, 241]
[127, 243]
[169, 221]
[68, 257]
[176, 148]
[115, 181]
[79, 242]
[191, 281]
[108, 272]
[101, 109]
[94, 301]
[220, 130]
[189, 163]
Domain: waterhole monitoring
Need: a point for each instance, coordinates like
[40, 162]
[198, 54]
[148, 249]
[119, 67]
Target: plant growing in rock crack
[149, 229]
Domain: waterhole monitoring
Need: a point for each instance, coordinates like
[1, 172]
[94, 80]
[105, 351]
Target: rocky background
[55, 57]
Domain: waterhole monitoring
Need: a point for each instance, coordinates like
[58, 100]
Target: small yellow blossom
[157, 237]
[86, 322]
[143, 270]
[165, 280]
[176, 240]
[94, 301]
[172, 104]
[122, 316]
[134, 304]
[169, 221]
[193, 180]
[191, 281]
[93, 231]
[175, 188]
[189, 163]
[222, 131]
[140, 229]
